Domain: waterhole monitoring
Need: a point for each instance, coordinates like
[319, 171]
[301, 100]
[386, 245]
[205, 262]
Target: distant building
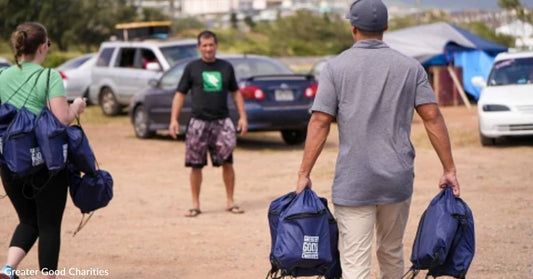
[522, 31]
[203, 7]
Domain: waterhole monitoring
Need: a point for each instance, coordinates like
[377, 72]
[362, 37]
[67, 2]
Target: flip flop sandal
[235, 209]
[193, 212]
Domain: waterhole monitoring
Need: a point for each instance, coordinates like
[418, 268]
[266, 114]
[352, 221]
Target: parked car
[124, 68]
[275, 99]
[505, 106]
[4, 62]
[317, 67]
[76, 74]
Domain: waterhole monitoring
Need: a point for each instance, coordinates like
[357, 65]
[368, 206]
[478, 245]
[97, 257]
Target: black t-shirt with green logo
[209, 84]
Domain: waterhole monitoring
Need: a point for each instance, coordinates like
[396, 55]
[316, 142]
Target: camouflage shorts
[217, 136]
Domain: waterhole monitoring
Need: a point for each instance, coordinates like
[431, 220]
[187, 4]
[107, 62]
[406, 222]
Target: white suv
[124, 68]
[505, 106]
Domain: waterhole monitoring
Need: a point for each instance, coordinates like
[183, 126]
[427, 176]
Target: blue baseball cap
[368, 15]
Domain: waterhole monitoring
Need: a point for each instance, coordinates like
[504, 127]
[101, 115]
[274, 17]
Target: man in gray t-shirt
[373, 91]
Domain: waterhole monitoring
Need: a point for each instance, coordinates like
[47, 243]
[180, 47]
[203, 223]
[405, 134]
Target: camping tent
[443, 43]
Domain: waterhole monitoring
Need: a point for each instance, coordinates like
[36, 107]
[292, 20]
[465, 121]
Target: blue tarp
[474, 63]
[443, 44]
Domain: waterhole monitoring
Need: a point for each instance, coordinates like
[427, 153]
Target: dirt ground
[142, 233]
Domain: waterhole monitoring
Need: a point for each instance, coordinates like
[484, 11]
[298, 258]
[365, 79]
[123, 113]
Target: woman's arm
[65, 113]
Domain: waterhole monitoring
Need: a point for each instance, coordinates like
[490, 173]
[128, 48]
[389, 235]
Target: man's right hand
[449, 179]
[303, 182]
[173, 129]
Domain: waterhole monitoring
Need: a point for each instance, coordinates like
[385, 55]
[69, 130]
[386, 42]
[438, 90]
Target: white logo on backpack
[36, 156]
[310, 247]
[65, 150]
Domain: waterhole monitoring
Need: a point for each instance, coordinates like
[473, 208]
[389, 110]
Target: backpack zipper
[306, 215]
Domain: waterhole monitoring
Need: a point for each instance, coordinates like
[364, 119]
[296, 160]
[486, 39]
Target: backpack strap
[411, 273]
[83, 222]
[24, 83]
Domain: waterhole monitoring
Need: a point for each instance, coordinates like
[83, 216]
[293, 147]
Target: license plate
[284, 95]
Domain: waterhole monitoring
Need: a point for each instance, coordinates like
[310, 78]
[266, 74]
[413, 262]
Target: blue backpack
[21, 151]
[463, 247]
[51, 136]
[444, 242]
[80, 153]
[94, 188]
[7, 113]
[304, 237]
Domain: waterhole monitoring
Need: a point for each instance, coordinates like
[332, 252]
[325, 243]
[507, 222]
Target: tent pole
[459, 86]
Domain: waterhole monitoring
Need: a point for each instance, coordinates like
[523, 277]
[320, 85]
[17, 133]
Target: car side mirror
[479, 81]
[153, 82]
[153, 66]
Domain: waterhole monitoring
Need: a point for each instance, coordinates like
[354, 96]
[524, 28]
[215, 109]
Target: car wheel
[109, 103]
[141, 123]
[86, 96]
[293, 137]
[485, 141]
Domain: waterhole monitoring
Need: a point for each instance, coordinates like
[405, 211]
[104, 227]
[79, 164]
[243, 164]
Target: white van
[124, 68]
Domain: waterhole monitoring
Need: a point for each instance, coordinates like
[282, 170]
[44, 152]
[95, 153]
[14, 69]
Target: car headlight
[495, 108]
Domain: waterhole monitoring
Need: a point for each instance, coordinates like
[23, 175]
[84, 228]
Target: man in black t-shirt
[210, 129]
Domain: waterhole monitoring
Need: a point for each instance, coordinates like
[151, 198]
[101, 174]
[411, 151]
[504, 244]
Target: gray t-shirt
[373, 90]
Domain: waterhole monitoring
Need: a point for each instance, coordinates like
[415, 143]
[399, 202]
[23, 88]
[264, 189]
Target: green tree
[149, 14]
[509, 4]
[69, 22]
[187, 23]
[234, 20]
[249, 22]
[489, 34]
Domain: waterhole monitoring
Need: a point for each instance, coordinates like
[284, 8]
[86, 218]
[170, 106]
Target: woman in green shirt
[41, 216]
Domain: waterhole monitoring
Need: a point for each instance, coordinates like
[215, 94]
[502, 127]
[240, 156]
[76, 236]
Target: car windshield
[172, 77]
[74, 63]
[174, 54]
[512, 71]
[248, 67]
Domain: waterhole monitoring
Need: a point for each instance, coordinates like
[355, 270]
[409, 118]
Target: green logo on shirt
[212, 81]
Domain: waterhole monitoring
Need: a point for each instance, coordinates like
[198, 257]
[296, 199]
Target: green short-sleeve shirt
[32, 89]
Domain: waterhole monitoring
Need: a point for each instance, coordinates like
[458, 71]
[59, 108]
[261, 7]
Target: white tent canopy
[426, 41]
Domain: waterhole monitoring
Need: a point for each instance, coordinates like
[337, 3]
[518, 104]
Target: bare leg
[15, 256]
[196, 183]
[228, 174]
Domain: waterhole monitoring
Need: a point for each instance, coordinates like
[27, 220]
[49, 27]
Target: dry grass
[94, 115]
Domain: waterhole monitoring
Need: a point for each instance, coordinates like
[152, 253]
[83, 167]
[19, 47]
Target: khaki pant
[356, 232]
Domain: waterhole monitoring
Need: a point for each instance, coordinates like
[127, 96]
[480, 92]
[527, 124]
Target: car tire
[486, 141]
[108, 102]
[141, 123]
[86, 96]
[293, 137]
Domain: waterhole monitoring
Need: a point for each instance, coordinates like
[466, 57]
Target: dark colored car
[275, 98]
[4, 63]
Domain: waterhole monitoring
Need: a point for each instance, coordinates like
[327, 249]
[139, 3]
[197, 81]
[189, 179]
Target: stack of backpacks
[304, 237]
[29, 143]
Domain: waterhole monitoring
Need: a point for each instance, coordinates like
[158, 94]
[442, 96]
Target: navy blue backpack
[463, 247]
[94, 188]
[80, 153]
[21, 151]
[444, 242]
[7, 113]
[51, 136]
[304, 237]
